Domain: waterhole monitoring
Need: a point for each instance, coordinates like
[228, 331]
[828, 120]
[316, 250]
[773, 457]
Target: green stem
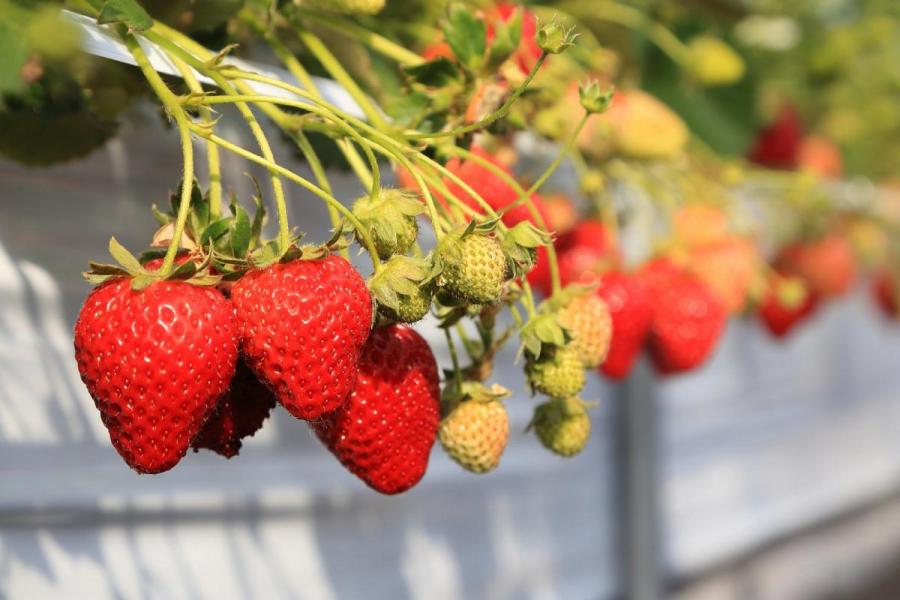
[491, 118]
[634, 19]
[457, 373]
[290, 175]
[172, 106]
[284, 235]
[337, 71]
[296, 68]
[212, 151]
[376, 42]
[552, 257]
[321, 178]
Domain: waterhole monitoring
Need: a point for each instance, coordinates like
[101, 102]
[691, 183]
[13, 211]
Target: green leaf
[142, 281]
[506, 39]
[439, 72]
[267, 254]
[241, 232]
[215, 230]
[123, 256]
[14, 50]
[466, 35]
[184, 270]
[259, 218]
[128, 12]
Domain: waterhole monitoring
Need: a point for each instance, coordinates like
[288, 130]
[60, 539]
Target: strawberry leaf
[123, 256]
[466, 35]
[241, 232]
[128, 12]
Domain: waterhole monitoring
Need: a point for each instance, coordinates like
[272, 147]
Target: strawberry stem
[174, 109]
[492, 117]
[212, 151]
[334, 68]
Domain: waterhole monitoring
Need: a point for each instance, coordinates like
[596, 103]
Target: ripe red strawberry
[885, 292]
[302, 326]
[687, 319]
[155, 362]
[239, 413]
[727, 268]
[787, 303]
[631, 311]
[384, 432]
[700, 224]
[528, 52]
[491, 187]
[827, 264]
[582, 253]
[778, 144]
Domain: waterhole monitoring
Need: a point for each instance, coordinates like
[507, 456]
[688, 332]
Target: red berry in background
[727, 268]
[239, 413]
[385, 431]
[582, 253]
[155, 361]
[491, 187]
[827, 264]
[687, 319]
[631, 312]
[821, 156]
[781, 315]
[885, 291]
[528, 52]
[302, 327]
[778, 144]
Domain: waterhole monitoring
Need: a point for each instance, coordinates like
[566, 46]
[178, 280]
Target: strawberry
[528, 52]
[155, 361]
[588, 321]
[821, 156]
[778, 144]
[474, 433]
[557, 373]
[727, 268]
[302, 327]
[240, 413]
[561, 213]
[582, 253]
[632, 313]
[474, 267]
[787, 303]
[637, 125]
[687, 319]
[827, 264]
[562, 425]
[885, 292]
[700, 224]
[390, 220]
[491, 187]
[384, 432]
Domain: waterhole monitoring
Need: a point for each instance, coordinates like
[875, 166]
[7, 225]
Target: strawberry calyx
[520, 245]
[456, 392]
[390, 220]
[402, 289]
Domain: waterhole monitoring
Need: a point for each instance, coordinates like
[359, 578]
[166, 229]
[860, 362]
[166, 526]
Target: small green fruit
[474, 269]
[557, 373]
[562, 425]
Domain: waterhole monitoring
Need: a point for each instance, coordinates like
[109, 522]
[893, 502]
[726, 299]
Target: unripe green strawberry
[562, 425]
[390, 220]
[557, 373]
[475, 433]
[402, 289]
[412, 308]
[588, 320]
[474, 268]
[347, 7]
